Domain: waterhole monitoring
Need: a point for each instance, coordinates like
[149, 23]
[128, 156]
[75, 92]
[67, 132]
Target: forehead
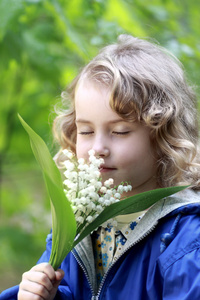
[86, 82]
[90, 94]
[92, 104]
[90, 90]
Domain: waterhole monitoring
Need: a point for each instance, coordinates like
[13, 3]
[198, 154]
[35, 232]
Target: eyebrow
[109, 122]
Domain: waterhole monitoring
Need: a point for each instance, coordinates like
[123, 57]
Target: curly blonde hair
[148, 84]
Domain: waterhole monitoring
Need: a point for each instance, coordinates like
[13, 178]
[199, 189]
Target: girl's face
[125, 146]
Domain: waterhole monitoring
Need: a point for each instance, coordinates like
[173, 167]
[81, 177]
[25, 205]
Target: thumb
[59, 276]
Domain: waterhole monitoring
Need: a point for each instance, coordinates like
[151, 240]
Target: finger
[25, 295]
[38, 277]
[59, 274]
[34, 288]
[45, 268]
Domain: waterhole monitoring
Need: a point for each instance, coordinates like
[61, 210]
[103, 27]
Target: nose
[101, 147]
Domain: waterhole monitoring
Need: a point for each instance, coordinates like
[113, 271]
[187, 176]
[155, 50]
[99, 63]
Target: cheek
[136, 154]
[81, 149]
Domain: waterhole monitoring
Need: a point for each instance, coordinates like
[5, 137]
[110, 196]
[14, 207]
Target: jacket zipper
[139, 240]
[96, 297]
[86, 274]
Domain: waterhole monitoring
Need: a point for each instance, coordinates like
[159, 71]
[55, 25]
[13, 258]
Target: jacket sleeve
[10, 294]
[63, 293]
[182, 278]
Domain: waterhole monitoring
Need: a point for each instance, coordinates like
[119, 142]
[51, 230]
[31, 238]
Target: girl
[133, 106]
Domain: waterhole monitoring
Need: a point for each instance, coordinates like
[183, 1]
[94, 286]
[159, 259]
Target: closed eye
[121, 132]
[85, 132]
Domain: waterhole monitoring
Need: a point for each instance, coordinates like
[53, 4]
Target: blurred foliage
[43, 44]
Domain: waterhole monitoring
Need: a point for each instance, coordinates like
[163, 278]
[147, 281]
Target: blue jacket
[161, 262]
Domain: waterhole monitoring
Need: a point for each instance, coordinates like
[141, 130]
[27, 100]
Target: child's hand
[40, 283]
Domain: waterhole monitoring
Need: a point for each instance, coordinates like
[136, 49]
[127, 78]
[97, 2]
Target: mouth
[105, 169]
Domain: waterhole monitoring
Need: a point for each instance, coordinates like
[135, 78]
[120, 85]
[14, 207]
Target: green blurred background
[43, 44]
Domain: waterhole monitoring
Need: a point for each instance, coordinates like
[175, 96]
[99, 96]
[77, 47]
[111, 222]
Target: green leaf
[63, 223]
[42, 154]
[130, 205]
[63, 220]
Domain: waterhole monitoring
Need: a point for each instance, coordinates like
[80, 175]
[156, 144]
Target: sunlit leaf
[63, 224]
[63, 220]
[42, 154]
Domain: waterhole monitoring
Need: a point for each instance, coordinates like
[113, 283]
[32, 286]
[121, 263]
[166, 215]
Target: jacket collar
[159, 210]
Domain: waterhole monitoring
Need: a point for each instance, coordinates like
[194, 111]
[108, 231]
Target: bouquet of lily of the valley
[85, 191]
[82, 203]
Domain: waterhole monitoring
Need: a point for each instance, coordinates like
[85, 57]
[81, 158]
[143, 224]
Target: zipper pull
[94, 298]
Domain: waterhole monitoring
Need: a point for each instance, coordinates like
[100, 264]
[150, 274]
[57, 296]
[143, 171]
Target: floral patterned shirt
[108, 242]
